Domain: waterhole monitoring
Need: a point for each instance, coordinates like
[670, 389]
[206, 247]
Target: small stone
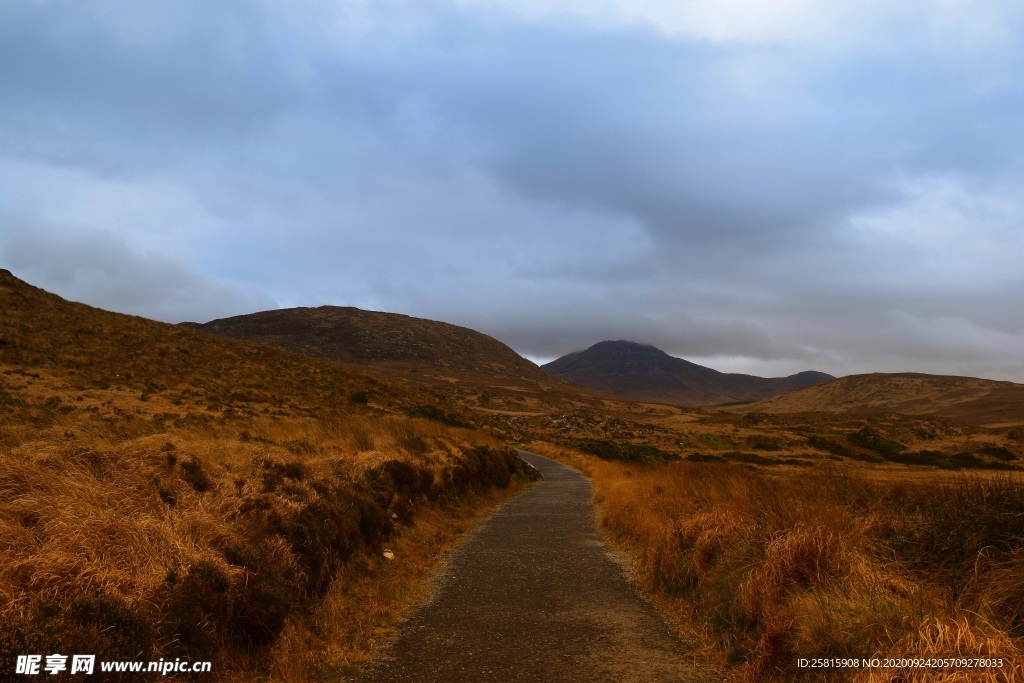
[394, 516]
[388, 554]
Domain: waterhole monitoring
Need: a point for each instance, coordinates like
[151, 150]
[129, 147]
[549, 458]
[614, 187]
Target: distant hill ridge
[383, 341]
[641, 372]
[970, 399]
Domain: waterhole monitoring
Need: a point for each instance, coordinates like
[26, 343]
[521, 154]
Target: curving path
[534, 595]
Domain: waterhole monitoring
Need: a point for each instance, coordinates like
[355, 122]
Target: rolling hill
[425, 351]
[644, 373]
[93, 349]
[968, 399]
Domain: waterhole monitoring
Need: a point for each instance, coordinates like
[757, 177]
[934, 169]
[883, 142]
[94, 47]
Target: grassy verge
[355, 621]
[216, 542]
[770, 566]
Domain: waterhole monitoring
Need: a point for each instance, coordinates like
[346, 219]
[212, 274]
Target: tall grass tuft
[825, 562]
[210, 554]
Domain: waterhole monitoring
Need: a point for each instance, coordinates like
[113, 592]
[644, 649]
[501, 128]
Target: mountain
[437, 352]
[95, 349]
[172, 369]
[644, 373]
[969, 399]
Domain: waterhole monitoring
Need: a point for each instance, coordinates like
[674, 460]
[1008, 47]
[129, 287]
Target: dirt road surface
[535, 595]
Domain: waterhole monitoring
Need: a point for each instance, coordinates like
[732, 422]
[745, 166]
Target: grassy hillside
[423, 352]
[168, 493]
[96, 350]
[967, 399]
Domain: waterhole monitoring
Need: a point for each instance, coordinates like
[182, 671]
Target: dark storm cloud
[848, 202]
[668, 135]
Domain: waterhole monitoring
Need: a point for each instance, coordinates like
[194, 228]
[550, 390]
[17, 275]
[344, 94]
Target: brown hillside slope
[463, 364]
[968, 399]
[381, 341]
[95, 349]
[357, 337]
[169, 493]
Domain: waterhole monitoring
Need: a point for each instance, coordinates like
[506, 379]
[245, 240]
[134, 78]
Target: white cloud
[957, 23]
[964, 232]
[122, 245]
[155, 213]
[102, 269]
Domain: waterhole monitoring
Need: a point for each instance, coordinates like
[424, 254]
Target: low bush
[873, 441]
[829, 444]
[261, 606]
[100, 622]
[998, 452]
[619, 450]
[397, 478]
[199, 610]
[764, 443]
[192, 472]
[431, 412]
[325, 532]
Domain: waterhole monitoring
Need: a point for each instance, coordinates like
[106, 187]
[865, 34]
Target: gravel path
[535, 595]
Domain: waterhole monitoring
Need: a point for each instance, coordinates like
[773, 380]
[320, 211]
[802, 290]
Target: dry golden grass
[127, 521]
[952, 638]
[165, 493]
[968, 399]
[355, 621]
[776, 564]
[931, 446]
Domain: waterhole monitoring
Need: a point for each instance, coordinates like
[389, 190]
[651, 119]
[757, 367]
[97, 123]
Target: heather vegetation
[204, 542]
[772, 565]
[166, 493]
[623, 450]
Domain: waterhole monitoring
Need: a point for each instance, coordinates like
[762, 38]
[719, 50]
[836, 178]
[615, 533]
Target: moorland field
[167, 491]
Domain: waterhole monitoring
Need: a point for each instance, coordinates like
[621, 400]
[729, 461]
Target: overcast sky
[762, 186]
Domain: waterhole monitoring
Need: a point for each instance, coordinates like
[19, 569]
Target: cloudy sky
[763, 186]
